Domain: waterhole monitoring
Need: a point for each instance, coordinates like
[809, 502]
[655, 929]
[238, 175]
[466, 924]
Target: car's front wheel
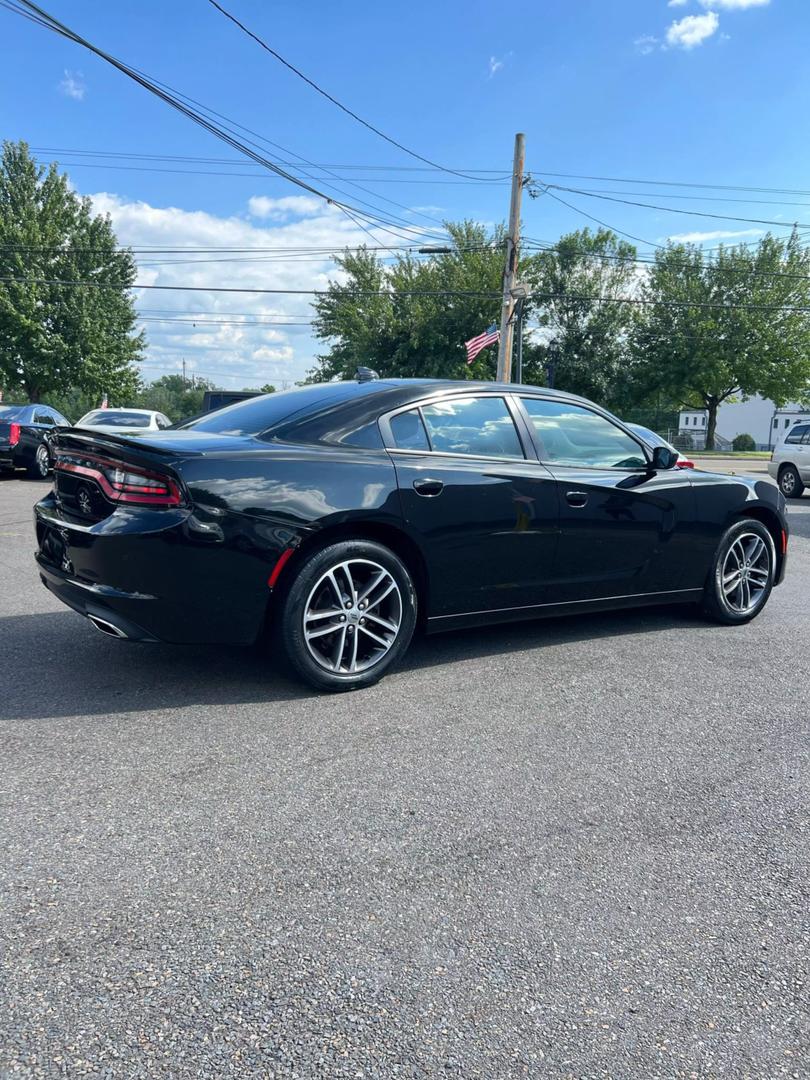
[790, 482]
[347, 616]
[742, 574]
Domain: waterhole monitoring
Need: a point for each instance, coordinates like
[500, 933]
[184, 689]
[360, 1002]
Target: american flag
[476, 344]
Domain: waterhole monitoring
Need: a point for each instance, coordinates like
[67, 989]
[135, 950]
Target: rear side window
[409, 431]
[260, 414]
[481, 427]
[568, 434]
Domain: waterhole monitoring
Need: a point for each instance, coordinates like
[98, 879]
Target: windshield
[650, 437]
[11, 412]
[104, 418]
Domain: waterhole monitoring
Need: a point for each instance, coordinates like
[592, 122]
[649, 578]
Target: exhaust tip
[108, 628]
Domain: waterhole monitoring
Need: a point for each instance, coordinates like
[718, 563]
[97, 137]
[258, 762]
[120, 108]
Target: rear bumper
[158, 575]
[108, 606]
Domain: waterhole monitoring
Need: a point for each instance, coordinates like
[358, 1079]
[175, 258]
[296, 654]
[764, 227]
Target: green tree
[732, 325]
[585, 340]
[56, 338]
[174, 396]
[412, 319]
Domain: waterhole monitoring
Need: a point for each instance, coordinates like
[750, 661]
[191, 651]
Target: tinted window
[409, 431]
[481, 426]
[60, 420]
[337, 426]
[571, 435]
[41, 417]
[262, 413]
[796, 434]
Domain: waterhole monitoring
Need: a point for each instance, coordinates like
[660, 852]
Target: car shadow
[56, 664]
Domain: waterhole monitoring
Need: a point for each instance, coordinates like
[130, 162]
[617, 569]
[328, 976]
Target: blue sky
[701, 91]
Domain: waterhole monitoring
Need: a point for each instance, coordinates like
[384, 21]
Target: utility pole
[510, 270]
[184, 373]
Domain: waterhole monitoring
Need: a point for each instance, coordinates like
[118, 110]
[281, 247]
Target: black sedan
[338, 516]
[25, 432]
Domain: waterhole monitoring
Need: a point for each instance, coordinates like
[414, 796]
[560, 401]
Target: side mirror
[663, 458]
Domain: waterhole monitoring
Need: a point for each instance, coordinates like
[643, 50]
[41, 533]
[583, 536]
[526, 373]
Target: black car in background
[25, 432]
[342, 514]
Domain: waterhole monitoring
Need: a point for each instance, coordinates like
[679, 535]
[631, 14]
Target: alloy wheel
[787, 482]
[43, 462]
[352, 616]
[746, 573]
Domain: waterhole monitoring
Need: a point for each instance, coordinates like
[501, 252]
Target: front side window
[479, 426]
[571, 435]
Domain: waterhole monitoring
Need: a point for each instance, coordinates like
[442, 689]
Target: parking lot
[558, 849]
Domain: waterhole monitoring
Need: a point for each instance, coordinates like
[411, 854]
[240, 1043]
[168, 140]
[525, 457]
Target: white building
[757, 417]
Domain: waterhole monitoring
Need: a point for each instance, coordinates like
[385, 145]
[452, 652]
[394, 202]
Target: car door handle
[427, 487]
[576, 498]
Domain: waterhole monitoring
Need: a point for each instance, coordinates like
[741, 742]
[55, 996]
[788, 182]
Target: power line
[396, 294]
[173, 98]
[677, 183]
[610, 228]
[257, 176]
[675, 209]
[232, 289]
[324, 93]
[500, 174]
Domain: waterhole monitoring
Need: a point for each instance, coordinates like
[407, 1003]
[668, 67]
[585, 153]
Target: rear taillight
[120, 481]
[13, 434]
[685, 463]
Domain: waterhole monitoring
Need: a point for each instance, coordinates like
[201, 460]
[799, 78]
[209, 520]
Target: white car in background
[124, 421]
[790, 462]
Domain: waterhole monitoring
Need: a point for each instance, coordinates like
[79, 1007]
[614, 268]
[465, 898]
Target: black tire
[730, 609]
[41, 465]
[790, 482]
[308, 592]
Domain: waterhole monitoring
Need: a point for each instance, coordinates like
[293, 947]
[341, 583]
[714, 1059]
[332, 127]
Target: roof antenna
[365, 374]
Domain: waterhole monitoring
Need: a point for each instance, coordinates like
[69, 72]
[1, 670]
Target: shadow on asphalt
[58, 665]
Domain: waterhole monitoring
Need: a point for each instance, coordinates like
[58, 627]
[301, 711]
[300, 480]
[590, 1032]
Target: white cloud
[260, 206]
[646, 44]
[235, 351]
[692, 30]
[733, 5]
[717, 234]
[677, 3]
[73, 85]
[495, 66]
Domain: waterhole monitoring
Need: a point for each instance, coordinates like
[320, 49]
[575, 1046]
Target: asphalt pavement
[571, 849]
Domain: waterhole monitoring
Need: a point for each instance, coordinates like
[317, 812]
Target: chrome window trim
[384, 421]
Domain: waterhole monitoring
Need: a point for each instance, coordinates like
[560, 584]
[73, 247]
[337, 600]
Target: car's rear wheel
[742, 574]
[347, 616]
[790, 482]
[41, 465]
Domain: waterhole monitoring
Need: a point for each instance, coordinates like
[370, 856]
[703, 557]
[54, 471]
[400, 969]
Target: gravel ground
[565, 849]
